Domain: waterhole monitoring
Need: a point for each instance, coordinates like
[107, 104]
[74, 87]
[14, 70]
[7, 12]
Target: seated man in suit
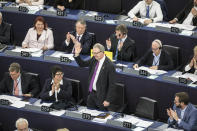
[122, 46]
[101, 79]
[79, 35]
[5, 29]
[149, 9]
[56, 88]
[191, 67]
[71, 4]
[22, 125]
[184, 114]
[19, 83]
[157, 59]
[188, 15]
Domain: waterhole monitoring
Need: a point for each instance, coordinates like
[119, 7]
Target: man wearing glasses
[101, 80]
[156, 58]
[56, 88]
[184, 114]
[19, 83]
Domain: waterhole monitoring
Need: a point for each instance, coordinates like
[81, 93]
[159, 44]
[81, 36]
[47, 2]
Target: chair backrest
[175, 54]
[76, 90]
[164, 9]
[120, 101]
[147, 108]
[93, 39]
[11, 35]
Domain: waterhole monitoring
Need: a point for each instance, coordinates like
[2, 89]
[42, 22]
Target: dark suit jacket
[128, 51]
[106, 80]
[75, 4]
[28, 85]
[165, 60]
[64, 94]
[5, 33]
[189, 121]
[181, 16]
[86, 42]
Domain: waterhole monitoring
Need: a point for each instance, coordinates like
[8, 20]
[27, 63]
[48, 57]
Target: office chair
[76, 90]
[147, 108]
[120, 99]
[175, 53]
[93, 35]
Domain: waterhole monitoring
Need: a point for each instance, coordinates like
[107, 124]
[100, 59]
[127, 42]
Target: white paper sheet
[144, 124]
[57, 113]
[92, 112]
[12, 99]
[19, 49]
[102, 120]
[138, 129]
[151, 71]
[59, 54]
[19, 104]
[193, 77]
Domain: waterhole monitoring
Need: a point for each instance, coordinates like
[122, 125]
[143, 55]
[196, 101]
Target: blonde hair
[21, 120]
[195, 50]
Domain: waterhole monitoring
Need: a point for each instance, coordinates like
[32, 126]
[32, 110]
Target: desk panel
[136, 86]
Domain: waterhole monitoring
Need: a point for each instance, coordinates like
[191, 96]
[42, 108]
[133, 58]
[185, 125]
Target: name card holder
[86, 116]
[183, 80]
[127, 124]
[137, 24]
[175, 30]
[25, 54]
[5, 102]
[23, 9]
[99, 18]
[46, 109]
[65, 59]
[60, 13]
[144, 73]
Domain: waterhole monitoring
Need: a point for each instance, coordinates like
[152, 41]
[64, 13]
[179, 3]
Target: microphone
[44, 42]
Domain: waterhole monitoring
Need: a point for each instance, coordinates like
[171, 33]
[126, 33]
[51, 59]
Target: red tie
[16, 90]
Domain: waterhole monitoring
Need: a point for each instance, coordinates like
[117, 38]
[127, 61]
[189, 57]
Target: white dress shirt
[46, 39]
[155, 12]
[156, 59]
[56, 91]
[80, 36]
[20, 93]
[189, 18]
[98, 72]
[33, 2]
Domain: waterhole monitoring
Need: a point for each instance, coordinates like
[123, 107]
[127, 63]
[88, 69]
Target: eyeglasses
[96, 53]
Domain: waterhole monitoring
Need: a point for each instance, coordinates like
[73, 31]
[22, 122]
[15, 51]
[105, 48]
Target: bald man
[156, 58]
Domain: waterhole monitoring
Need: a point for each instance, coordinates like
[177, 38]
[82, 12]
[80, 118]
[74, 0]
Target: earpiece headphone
[158, 42]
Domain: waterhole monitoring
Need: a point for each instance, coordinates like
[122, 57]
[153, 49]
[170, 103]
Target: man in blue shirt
[184, 114]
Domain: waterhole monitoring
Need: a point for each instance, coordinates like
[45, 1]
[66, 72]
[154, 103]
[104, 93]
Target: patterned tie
[147, 12]
[16, 90]
[116, 55]
[93, 77]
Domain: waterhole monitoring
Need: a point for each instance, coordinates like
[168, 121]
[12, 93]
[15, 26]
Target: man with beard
[188, 15]
[184, 114]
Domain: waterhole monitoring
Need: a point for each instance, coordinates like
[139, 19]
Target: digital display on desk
[137, 23]
[183, 80]
[99, 18]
